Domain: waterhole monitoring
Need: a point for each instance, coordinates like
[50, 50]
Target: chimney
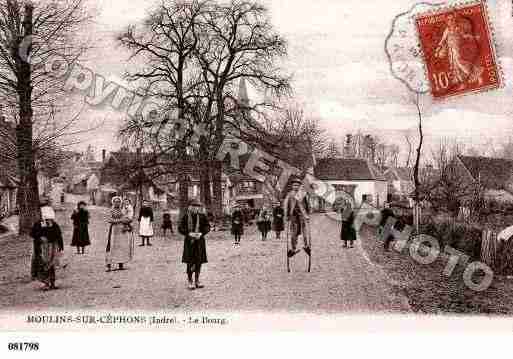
[104, 152]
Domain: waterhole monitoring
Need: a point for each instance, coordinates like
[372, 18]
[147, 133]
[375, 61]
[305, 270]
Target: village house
[9, 171]
[121, 175]
[7, 167]
[495, 175]
[356, 177]
[400, 182]
[7, 194]
[243, 188]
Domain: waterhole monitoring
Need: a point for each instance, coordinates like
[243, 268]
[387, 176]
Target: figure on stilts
[297, 219]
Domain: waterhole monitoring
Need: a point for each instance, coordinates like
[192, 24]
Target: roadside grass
[429, 291]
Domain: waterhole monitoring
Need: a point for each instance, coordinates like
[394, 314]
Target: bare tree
[292, 123]
[195, 55]
[333, 150]
[447, 191]
[382, 155]
[506, 150]
[409, 149]
[32, 96]
[165, 43]
[394, 152]
[416, 178]
[239, 43]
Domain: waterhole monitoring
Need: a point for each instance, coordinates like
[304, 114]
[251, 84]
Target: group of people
[295, 213]
[267, 220]
[48, 241]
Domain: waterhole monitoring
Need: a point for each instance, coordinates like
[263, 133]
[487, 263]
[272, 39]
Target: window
[367, 198]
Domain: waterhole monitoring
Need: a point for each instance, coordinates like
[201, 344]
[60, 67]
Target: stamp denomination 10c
[458, 50]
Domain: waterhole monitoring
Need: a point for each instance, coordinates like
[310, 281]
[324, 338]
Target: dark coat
[278, 225]
[237, 222]
[194, 250]
[348, 233]
[264, 221]
[80, 220]
[53, 233]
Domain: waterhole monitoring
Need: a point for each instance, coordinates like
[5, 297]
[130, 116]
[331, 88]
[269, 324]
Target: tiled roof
[294, 151]
[345, 169]
[494, 173]
[297, 156]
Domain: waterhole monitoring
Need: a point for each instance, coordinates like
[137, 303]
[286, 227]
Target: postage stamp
[458, 50]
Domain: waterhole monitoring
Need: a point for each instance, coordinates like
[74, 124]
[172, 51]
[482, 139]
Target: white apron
[145, 227]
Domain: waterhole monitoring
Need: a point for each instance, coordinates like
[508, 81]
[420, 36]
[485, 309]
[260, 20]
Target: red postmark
[458, 51]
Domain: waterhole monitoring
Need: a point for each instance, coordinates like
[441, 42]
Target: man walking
[297, 211]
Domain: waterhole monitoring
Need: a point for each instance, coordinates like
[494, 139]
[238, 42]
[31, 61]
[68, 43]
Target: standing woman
[347, 232]
[278, 226]
[80, 218]
[119, 245]
[146, 223]
[237, 224]
[264, 222]
[48, 243]
[194, 226]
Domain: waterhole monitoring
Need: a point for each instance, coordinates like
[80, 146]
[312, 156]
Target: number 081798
[23, 347]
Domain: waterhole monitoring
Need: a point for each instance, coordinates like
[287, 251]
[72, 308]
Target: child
[167, 223]
[278, 225]
[237, 224]
[146, 223]
[128, 212]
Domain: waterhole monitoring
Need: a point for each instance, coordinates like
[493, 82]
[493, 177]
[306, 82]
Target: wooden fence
[497, 254]
[489, 248]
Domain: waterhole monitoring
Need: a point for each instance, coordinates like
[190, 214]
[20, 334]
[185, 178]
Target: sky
[340, 72]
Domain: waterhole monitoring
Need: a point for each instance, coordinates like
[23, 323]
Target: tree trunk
[183, 194]
[28, 193]
[216, 169]
[417, 165]
[205, 194]
[204, 175]
[218, 191]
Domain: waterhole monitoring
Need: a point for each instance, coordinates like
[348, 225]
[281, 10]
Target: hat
[194, 202]
[116, 198]
[47, 212]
